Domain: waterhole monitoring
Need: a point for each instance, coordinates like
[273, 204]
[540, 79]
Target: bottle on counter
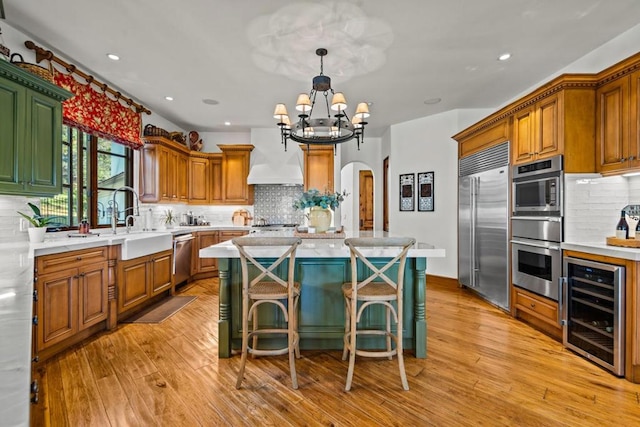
[622, 229]
[83, 227]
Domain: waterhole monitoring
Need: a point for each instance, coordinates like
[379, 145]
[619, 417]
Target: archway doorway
[358, 209]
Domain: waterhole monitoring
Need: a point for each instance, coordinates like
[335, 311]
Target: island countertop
[324, 248]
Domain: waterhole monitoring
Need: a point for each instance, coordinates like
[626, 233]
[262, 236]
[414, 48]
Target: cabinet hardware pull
[34, 399]
[36, 359]
[623, 160]
[533, 304]
[78, 258]
[632, 158]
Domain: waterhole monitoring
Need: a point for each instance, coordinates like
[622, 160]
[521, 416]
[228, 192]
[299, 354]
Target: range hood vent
[268, 173]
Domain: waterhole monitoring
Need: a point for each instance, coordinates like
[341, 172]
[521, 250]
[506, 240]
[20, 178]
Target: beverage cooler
[593, 312]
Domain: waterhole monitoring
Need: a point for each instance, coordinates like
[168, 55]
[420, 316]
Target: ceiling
[248, 55]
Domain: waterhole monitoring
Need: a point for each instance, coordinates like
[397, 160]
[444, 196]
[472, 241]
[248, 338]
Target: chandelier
[329, 130]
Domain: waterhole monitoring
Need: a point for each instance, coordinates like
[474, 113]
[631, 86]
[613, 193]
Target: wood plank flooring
[483, 368]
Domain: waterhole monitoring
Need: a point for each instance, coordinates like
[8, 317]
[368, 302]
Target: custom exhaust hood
[268, 173]
[269, 164]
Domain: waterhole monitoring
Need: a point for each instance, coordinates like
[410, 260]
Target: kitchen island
[322, 266]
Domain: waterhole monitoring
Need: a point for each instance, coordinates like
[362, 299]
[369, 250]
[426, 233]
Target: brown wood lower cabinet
[140, 279]
[208, 267]
[539, 311]
[69, 300]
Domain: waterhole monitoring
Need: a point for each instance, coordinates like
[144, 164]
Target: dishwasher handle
[183, 238]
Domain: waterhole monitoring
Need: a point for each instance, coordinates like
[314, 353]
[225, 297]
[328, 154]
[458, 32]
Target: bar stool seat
[269, 288]
[375, 288]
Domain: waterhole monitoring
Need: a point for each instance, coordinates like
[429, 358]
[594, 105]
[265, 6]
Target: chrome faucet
[114, 204]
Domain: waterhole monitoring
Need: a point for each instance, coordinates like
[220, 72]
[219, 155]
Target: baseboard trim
[443, 281]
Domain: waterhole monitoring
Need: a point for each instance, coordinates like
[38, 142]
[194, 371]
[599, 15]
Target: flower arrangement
[325, 200]
[37, 220]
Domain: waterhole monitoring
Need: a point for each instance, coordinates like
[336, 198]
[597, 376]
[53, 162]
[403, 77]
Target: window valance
[95, 112]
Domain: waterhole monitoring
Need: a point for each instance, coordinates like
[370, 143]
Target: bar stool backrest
[358, 245]
[286, 245]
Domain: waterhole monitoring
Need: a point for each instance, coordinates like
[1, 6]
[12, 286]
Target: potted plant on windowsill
[39, 222]
[319, 205]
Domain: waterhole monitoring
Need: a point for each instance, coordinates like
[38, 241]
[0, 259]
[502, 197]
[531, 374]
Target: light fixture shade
[280, 112]
[287, 122]
[362, 110]
[356, 121]
[338, 103]
[303, 103]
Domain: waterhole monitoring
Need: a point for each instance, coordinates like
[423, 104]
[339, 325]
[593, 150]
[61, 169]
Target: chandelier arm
[326, 100]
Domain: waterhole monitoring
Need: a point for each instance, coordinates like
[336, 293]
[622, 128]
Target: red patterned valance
[96, 113]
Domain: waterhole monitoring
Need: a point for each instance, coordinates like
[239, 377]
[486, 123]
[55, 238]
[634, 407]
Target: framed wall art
[425, 192]
[407, 182]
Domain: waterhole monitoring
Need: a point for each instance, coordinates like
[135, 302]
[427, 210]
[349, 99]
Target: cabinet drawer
[63, 261]
[546, 310]
[228, 235]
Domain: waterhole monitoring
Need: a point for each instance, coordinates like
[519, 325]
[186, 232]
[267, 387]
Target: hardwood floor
[483, 368]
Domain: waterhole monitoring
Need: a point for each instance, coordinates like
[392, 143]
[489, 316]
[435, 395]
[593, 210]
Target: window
[92, 168]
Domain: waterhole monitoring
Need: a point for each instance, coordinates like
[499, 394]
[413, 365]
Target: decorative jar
[320, 218]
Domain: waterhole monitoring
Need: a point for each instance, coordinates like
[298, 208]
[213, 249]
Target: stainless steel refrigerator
[483, 217]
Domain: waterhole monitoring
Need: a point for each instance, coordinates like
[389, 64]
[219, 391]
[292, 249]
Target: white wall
[425, 145]
[368, 157]
[210, 140]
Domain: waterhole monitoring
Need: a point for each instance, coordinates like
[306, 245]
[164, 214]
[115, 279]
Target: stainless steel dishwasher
[182, 249]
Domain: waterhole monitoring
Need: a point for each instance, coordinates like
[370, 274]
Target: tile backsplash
[593, 204]
[274, 203]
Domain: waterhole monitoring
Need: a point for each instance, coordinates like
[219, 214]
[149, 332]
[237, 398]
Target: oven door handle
[537, 218]
[536, 245]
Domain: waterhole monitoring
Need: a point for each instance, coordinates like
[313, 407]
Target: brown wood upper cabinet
[163, 171]
[171, 173]
[617, 128]
[558, 119]
[318, 167]
[535, 131]
[235, 170]
[482, 136]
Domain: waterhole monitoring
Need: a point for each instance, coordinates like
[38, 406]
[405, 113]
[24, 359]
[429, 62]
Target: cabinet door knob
[533, 304]
[632, 158]
[623, 160]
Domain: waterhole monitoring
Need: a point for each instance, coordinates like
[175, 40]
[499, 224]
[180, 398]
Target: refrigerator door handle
[474, 262]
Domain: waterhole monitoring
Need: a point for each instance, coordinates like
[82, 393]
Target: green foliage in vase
[314, 197]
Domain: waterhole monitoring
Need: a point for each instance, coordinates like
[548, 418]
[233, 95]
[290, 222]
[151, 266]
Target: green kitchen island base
[321, 309]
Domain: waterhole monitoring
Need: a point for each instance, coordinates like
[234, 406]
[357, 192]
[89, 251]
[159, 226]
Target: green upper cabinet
[30, 133]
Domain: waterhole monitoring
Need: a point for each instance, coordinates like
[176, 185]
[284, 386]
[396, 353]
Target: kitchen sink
[140, 244]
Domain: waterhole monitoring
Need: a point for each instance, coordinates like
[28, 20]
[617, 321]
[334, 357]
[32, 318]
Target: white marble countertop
[601, 248]
[324, 248]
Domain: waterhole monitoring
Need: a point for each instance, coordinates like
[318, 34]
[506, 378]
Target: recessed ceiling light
[431, 101]
[113, 56]
[369, 103]
[169, 98]
[210, 101]
[504, 56]
[227, 123]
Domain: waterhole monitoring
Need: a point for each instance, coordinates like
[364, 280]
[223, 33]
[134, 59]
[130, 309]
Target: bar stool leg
[291, 337]
[388, 310]
[352, 344]
[245, 338]
[347, 327]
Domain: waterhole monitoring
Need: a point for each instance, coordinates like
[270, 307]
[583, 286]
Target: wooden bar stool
[374, 287]
[272, 291]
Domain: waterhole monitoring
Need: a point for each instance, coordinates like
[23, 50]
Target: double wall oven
[536, 226]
